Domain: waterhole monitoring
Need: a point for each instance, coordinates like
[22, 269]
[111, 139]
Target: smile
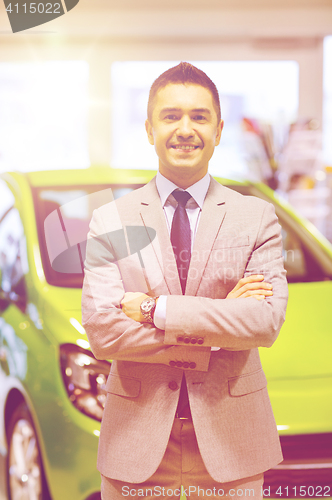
[185, 148]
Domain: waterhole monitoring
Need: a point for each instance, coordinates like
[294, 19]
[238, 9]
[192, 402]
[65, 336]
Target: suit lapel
[152, 215]
[212, 216]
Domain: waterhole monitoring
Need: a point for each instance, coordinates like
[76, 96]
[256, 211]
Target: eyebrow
[196, 110]
[169, 110]
[202, 110]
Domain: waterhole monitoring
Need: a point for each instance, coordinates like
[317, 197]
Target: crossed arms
[240, 324]
[251, 286]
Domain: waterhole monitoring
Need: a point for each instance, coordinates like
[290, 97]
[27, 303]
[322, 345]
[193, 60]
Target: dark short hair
[184, 73]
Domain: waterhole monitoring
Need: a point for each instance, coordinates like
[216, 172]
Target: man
[182, 318]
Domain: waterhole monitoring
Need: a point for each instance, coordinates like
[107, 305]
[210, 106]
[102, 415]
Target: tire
[25, 474]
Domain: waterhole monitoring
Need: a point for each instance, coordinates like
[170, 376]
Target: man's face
[184, 130]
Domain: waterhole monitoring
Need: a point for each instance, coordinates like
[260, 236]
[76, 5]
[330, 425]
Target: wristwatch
[147, 308]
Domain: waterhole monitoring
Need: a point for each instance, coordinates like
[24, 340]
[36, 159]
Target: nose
[185, 129]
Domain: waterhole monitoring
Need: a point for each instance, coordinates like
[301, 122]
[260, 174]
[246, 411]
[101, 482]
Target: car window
[63, 215]
[301, 260]
[294, 260]
[300, 264]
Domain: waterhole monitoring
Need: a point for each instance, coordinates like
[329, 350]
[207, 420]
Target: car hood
[301, 351]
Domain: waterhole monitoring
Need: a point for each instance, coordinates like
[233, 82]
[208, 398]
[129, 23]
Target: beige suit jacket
[232, 416]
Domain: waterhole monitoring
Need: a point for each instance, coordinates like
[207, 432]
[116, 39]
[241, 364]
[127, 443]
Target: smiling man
[187, 402]
[184, 136]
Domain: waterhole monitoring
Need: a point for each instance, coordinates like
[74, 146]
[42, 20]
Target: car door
[298, 367]
[13, 351]
[13, 266]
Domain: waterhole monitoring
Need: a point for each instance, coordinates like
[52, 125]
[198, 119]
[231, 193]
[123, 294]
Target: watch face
[147, 305]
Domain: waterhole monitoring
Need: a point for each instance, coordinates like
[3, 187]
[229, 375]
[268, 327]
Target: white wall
[101, 36]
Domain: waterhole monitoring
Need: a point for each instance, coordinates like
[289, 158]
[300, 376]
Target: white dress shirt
[194, 206]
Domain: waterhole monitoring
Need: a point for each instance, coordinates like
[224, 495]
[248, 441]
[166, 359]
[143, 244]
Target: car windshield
[304, 258]
[63, 214]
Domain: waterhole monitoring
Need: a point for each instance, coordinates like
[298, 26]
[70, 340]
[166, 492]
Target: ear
[149, 131]
[219, 130]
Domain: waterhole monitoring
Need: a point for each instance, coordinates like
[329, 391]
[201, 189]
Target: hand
[251, 286]
[130, 305]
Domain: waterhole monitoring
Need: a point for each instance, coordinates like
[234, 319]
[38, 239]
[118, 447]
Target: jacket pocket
[245, 384]
[123, 386]
[241, 241]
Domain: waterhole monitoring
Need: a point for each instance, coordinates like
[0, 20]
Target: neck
[182, 181]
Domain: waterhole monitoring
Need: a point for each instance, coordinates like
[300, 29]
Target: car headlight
[84, 377]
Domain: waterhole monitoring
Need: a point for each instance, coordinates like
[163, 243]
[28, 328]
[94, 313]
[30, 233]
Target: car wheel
[25, 475]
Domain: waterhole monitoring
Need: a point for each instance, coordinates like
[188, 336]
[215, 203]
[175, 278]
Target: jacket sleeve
[111, 334]
[242, 323]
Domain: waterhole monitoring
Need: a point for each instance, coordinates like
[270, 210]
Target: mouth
[183, 147]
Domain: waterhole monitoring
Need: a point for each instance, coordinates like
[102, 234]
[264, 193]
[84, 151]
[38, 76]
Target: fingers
[251, 286]
[249, 279]
[255, 288]
[253, 293]
[258, 297]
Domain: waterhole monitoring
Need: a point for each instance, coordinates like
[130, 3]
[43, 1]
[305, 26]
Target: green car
[52, 389]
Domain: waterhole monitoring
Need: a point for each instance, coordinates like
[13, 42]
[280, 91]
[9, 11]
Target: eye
[199, 118]
[171, 117]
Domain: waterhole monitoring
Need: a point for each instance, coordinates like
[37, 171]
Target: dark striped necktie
[180, 236]
[181, 242]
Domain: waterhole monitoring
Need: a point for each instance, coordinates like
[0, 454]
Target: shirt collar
[197, 191]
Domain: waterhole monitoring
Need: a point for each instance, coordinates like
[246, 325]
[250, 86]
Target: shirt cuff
[159, 317]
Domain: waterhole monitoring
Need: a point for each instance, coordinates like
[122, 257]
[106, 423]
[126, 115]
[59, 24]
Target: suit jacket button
[172, 363]
[200, 340]
[179, 364]
[193, 340]
[180, 338]
[186, 364]
[192, 365]
[187, 340]
[173, 385]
